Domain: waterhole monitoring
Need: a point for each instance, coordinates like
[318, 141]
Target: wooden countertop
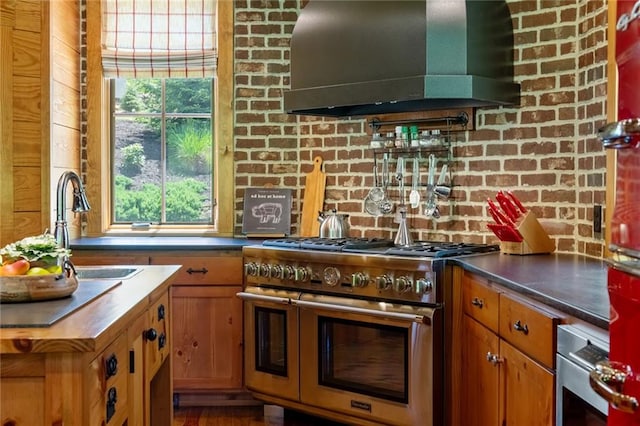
[93, 326]
[571, 283]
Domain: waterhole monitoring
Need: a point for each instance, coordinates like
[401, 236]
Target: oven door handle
[423, 319]
[607, 380]
[262, 298]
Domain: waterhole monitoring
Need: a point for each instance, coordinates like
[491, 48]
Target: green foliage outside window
[190, 148]
[184, 201]
[132, 158]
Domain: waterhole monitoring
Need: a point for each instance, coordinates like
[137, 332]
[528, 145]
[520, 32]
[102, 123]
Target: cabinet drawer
[109, 390]
[480, 301]
[204, 269]
[529, 329]
[157, 336]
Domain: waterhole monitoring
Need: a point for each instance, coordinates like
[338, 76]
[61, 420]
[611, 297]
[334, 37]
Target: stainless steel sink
[105, 272]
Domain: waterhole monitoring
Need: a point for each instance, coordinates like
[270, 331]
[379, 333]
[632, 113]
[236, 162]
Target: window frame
[97, 167]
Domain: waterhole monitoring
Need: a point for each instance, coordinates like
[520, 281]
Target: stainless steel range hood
[363, 57]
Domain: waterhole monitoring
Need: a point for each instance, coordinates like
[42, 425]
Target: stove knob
[275, 271]
[331, 276]
[402, 284]
[251, 268]
[265, 270]
[301, 274]
[359, 279]
[383, 282]
[423, 285]
[288, 273]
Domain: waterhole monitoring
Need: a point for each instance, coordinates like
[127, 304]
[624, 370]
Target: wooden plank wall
[39, 103]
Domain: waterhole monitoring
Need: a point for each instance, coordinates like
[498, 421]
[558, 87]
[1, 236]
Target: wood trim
[224, 134]
[612, 114]
[97, 136]
[7, 22]
[46, 98]
[98, 129]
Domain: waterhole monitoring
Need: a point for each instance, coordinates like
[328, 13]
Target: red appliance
[618, 379]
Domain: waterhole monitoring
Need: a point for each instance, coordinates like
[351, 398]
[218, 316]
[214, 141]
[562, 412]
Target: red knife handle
[516, 201]
[503, 220]
[507, 207]
[494, 215]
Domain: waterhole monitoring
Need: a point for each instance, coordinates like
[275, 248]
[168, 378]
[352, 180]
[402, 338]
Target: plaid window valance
[159, 38]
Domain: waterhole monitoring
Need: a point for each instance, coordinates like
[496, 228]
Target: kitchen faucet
[80, 205]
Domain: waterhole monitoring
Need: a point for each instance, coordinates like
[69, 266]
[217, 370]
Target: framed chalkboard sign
[267, 212]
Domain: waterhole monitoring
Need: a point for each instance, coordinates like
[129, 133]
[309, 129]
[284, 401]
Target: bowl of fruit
[34, 269]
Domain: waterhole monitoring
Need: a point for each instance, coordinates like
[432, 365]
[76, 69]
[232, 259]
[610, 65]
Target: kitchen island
[107, 362]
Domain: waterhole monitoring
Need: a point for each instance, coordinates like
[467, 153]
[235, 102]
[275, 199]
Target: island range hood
[363, 57]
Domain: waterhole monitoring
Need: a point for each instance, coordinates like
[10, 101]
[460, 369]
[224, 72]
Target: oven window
[271, 341]
[366, 358]
[577, 412]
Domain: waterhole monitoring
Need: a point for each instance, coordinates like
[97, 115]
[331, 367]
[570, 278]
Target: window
[162, 145]
[161, 129]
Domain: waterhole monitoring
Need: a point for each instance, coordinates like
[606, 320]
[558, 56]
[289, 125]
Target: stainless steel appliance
[580, 347]
[350, 329]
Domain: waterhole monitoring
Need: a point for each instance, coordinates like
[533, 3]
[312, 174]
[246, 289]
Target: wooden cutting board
[313, 200]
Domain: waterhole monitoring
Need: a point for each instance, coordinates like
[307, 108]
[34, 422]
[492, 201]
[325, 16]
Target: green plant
[185, 201]
[190, 148]
[132, 158]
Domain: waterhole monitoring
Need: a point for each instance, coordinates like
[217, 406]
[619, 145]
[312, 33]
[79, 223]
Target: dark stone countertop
[574, 284]
[160, 243]
[571, 283]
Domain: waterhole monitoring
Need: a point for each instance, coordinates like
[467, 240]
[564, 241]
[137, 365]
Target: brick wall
[545, 149]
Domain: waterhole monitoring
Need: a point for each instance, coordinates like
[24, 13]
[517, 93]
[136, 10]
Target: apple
[19, 267]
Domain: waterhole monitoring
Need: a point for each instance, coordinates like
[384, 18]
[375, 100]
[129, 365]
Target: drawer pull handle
[151, 334]
[197, 271]
[112, 398]
[161, 312]
[494, 359]
[477, 302]
[519, 327]
[162, 341]
[111, 366]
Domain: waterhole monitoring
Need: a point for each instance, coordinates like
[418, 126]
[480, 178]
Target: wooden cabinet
[207, 326]
[508, 353]
[113, 375]
[207, 355]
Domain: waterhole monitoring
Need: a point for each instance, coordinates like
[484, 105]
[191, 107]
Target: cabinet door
[529, 389]
[481, 388]
[207, 337]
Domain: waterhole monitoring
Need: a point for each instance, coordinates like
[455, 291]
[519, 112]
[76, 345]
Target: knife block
[534, 238]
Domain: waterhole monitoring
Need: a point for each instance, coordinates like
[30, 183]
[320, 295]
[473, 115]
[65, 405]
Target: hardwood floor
[244, 416]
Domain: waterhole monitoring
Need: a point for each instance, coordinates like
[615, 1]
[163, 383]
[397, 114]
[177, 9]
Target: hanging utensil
[400, 179]
[431, 205]
[385, 205]
[414, 195]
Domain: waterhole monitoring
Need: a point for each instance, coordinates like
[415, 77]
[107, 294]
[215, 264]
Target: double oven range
[355, 330]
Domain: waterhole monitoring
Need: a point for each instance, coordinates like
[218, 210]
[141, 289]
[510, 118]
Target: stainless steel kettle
[333, 225]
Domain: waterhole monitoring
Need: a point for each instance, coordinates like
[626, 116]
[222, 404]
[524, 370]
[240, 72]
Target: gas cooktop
[382, 246]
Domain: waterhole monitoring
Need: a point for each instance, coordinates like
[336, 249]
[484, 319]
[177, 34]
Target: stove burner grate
[327, 244]
[435, 249]
[441, 249]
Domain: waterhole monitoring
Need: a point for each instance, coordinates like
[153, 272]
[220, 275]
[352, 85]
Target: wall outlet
[597, 221]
